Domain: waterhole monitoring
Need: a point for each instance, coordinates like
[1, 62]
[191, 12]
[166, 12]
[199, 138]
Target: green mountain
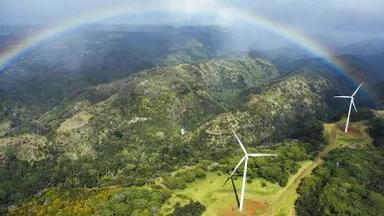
[180, 96]
[43, 76]
[127, 132]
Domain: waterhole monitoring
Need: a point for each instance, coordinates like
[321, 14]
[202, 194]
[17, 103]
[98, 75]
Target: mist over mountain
[364, 47]
[98, 54]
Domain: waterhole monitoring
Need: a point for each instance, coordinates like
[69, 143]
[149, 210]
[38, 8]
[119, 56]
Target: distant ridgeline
[363, 67]
[47, 73]
[66, 65]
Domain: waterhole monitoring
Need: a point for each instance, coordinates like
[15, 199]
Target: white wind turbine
[351, 103]
[245, 158]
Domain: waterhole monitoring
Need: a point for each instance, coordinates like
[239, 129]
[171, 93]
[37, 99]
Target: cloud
[321, 18]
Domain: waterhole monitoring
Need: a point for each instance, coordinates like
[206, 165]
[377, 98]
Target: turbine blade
[261, 155]
[241, 144]
[229, 177]
[342, 96]
[354, 106]
[357, 89]
[237, 166]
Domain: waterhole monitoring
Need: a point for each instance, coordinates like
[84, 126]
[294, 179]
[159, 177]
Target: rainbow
[224, 13]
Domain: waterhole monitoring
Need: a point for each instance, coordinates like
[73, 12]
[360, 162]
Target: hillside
[127, 132]
[44, 75]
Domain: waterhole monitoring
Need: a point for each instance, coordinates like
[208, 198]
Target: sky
[331, 20]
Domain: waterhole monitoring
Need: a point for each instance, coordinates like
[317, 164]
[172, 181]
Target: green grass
[76, 121]
[357, 137]
[219, 198]
[212, 192]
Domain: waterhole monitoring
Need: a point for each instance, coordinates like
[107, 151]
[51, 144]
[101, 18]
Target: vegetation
[278, 169]
[126, 133]
[123, 133]
[69, 64]
[97, 132]
[181, 178]
[191, 209]
[107, 201]
[356, 179]
[363, 114]
[350, 182]
[376, 131]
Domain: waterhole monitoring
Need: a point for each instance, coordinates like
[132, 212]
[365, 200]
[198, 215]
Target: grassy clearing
[74, 122]
[263, 197]
[356, 137]
[212, 192]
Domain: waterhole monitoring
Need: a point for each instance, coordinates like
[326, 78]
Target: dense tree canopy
[376, 131]
[191, 209]
[351, 182]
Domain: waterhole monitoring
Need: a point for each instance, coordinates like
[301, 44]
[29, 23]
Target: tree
[376, 131]
[191, 209]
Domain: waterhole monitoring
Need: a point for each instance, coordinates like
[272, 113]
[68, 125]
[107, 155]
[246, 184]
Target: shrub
[191, 209]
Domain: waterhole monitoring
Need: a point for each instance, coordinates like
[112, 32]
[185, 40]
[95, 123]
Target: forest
[350, 182]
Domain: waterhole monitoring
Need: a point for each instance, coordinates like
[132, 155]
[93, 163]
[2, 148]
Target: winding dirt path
[288, 195]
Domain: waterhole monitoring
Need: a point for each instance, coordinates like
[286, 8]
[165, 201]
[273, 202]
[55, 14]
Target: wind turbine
[245, 158]
[351, 103]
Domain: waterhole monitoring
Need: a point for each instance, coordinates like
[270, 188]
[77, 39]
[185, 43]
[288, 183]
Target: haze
[336, 21]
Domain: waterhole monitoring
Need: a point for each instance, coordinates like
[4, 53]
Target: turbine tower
[351, 103]
[245, 158]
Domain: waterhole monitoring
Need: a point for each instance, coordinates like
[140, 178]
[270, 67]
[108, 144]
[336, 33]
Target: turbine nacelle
[245, 151]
